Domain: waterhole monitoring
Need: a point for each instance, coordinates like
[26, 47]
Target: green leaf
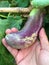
[47, 29]
[22, 3]
[15, 22]
[4, 4]
[46, 18]
[3, 26]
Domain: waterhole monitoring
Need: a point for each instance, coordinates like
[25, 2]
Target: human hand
[20, 56]
[42, 49]
[28, 56]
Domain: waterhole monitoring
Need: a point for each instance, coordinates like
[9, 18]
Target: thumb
[43, 40]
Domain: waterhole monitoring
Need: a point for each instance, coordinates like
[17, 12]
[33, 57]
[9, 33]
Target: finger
[10, 49]
[8, 31]
[43, 39]
[14, 30]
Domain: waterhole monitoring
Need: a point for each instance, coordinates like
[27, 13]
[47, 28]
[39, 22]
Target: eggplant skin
[18, 42]
[28, 35]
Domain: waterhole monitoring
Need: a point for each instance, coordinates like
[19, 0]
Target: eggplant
[28, 34]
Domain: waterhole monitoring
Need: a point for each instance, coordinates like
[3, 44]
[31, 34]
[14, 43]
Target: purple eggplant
[28, 34]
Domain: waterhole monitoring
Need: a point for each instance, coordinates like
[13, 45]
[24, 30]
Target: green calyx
[34, 12]
[40, 3]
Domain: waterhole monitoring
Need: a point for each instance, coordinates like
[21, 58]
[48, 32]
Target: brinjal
[28, 34]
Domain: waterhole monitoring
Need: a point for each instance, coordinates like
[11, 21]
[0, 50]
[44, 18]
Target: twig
[25, 15]
[3, 16]
[16, 9]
